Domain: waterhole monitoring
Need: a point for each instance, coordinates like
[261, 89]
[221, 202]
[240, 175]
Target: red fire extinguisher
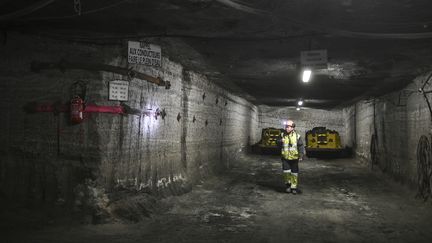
[76, 110]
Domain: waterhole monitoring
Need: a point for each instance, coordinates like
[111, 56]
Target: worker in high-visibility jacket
[292, 152]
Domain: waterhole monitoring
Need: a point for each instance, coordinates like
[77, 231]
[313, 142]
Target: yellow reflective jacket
[292, 146]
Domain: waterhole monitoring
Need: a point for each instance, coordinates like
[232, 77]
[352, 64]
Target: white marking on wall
[161, 183]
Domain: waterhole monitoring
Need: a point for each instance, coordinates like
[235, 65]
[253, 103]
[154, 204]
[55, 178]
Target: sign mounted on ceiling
[315, 59]
[119, 90]
[144, 53]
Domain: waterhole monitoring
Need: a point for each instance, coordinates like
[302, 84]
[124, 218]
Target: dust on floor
[341, 201]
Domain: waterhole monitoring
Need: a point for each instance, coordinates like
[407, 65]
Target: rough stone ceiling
[253, 46]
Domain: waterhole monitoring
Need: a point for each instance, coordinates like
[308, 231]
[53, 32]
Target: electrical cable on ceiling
[80, 13]
[236, 5]
[129, 37]
[26, 11]
[242, 7]
[321, 30]
[366, 35]
[393, 25]
[332, 31]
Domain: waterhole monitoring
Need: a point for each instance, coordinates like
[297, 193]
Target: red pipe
[104, 109]
[65, 108]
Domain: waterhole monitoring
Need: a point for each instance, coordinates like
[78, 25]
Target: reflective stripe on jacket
[290, 150]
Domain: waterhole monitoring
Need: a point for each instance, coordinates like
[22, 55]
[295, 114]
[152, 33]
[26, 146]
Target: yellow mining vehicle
[321, 141]
[268, 142]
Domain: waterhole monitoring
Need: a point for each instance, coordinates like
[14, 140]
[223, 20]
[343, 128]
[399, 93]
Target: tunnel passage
[114, 111]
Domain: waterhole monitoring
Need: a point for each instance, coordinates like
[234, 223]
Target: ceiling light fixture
[306, 75]
[298, 108]
[300, 102]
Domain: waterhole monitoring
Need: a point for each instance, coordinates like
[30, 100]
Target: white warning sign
[315, 59]
[144, 53]
[119, 90]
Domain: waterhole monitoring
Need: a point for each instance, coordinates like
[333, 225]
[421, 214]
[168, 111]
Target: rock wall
[386, 130]
[47, 160]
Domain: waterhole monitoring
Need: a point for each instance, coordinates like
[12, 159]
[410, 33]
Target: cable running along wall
[424, 168]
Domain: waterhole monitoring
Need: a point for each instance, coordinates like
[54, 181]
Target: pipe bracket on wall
[62, 65]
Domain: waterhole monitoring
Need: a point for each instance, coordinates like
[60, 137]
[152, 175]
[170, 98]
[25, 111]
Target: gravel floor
[341, 201]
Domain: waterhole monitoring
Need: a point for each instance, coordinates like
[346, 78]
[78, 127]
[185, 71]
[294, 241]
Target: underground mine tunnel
[169, 121]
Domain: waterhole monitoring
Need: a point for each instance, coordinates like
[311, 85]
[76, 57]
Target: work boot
[288, 190]
[293, 191]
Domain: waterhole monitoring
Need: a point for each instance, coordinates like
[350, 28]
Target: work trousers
[290, 172]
